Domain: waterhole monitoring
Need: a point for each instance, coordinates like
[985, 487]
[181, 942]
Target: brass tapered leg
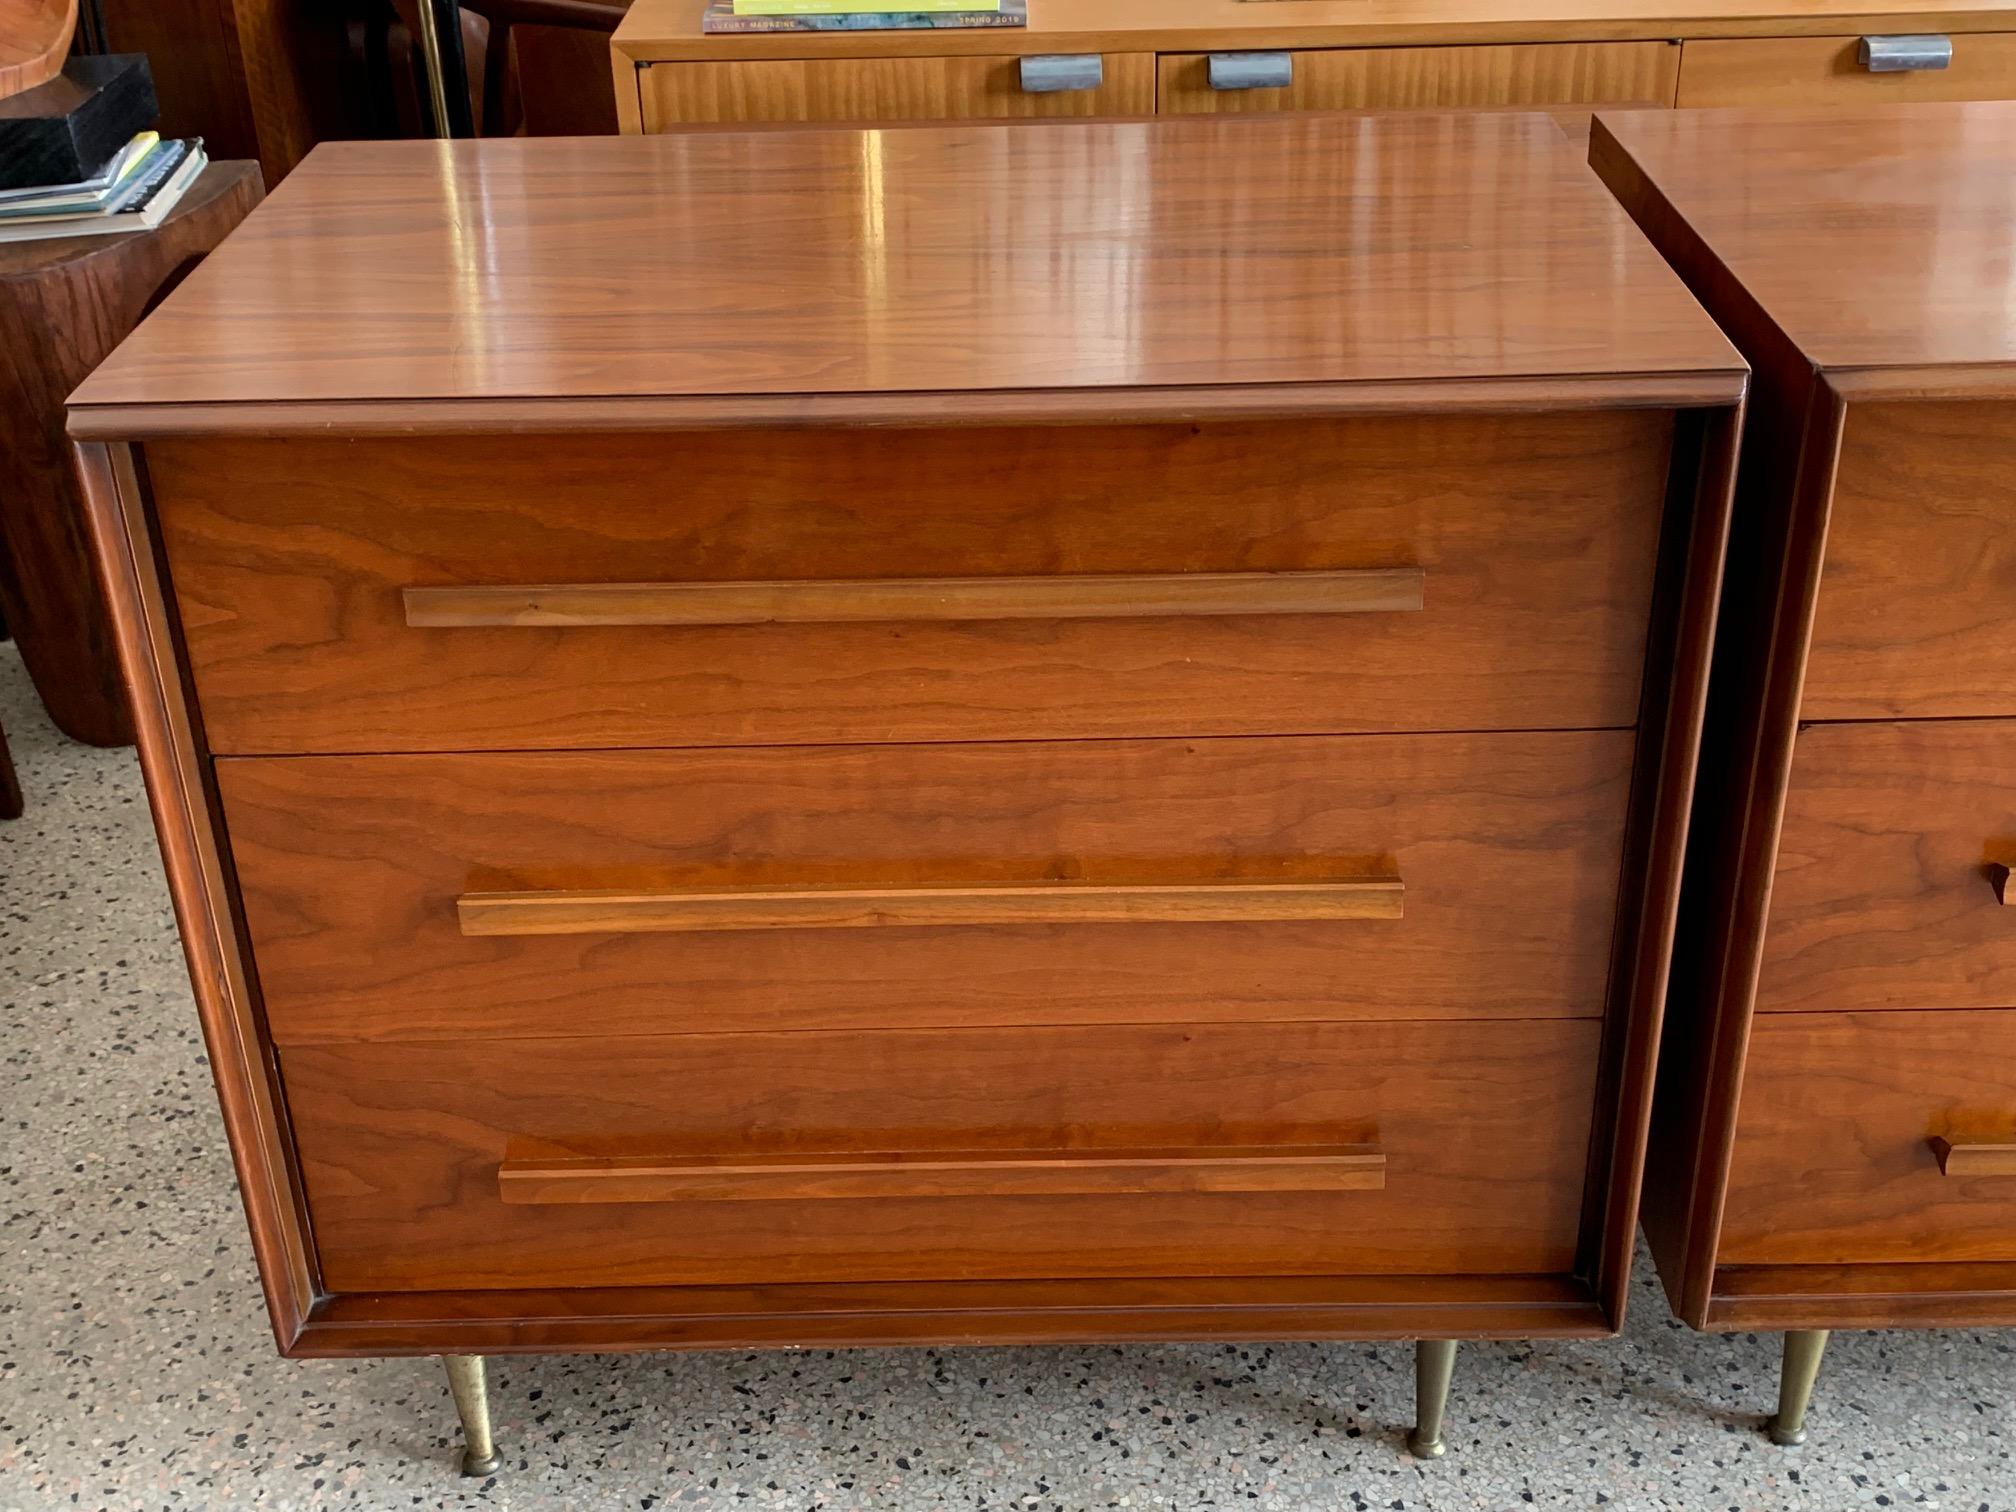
[1803, 1348]
[472, 1402]
[1434, 1363]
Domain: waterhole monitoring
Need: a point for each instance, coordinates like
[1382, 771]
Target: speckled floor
[136, 1370]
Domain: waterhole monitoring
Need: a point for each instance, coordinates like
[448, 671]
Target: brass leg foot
[1434, 1363]
[1803, 1348]
[472, 1401]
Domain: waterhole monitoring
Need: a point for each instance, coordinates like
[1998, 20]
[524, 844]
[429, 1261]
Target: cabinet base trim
[1923, 1295]
[951, 1312]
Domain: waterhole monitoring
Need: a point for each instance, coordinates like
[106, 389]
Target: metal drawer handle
[1054, 73]
[838, 601]
[1974, 1157]
[1004, 903]
[1906, 54]
[1251, 70]
[947, 1173]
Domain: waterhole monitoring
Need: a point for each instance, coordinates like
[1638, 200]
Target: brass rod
[437, 77]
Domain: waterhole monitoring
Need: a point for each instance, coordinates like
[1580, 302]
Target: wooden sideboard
[1174, 57]
[1837, 1112]
[1015, 734]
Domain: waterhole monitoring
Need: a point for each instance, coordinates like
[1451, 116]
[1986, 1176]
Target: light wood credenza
[757, 776]
[1178, 57]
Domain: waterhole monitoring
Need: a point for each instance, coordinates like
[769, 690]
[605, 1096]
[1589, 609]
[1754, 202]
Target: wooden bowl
[34, 40]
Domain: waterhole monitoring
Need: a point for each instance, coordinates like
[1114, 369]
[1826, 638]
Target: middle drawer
[669, 892]
[750, 588]
[1533, 75]
[1890, 883]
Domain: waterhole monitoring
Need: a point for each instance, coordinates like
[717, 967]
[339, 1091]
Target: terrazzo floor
[136, 1370]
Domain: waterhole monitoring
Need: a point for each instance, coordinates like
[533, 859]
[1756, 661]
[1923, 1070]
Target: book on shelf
[720, 18]
[140, 199]
[156, 165]
[86, 194]
[857, 7]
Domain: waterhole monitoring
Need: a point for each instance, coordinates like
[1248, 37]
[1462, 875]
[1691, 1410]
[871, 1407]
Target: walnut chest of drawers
[1837, 1117]
[1006, 733]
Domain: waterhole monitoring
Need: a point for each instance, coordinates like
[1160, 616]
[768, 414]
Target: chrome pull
[1054, 73]
[1906, 54]
[1251, 70]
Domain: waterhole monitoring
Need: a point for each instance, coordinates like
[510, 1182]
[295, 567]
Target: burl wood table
[1006, 733]
[63, 306]
[1837, 1128]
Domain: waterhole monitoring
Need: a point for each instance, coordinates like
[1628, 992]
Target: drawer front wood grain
[1533, 537]
[1839, 1133]
[1465, 876]
[1394, 78]
[865, 90]
[1483, 1129]
[1920, 566]
[1885, 894]
[1830, 71]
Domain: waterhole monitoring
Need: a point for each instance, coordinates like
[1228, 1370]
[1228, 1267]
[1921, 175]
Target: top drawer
[1267, 578]
[1912, 620]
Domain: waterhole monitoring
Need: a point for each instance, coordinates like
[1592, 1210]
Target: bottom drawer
[1875, 1137]
[1192, 1150]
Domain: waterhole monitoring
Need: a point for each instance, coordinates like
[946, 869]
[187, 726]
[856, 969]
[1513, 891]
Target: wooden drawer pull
[594, 912]
[961, 1173]
[1998, 878]
[1975, 1157]
[1356, 591]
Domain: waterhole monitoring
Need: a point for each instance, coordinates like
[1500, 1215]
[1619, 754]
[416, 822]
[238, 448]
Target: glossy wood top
[665, 30]
[1054, 256]
[1883, 236]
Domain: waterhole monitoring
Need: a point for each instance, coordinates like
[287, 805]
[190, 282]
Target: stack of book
[859, 15]
[134, 191]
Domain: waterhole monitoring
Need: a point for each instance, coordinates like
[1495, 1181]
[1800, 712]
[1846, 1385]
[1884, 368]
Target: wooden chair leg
[11, 805]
